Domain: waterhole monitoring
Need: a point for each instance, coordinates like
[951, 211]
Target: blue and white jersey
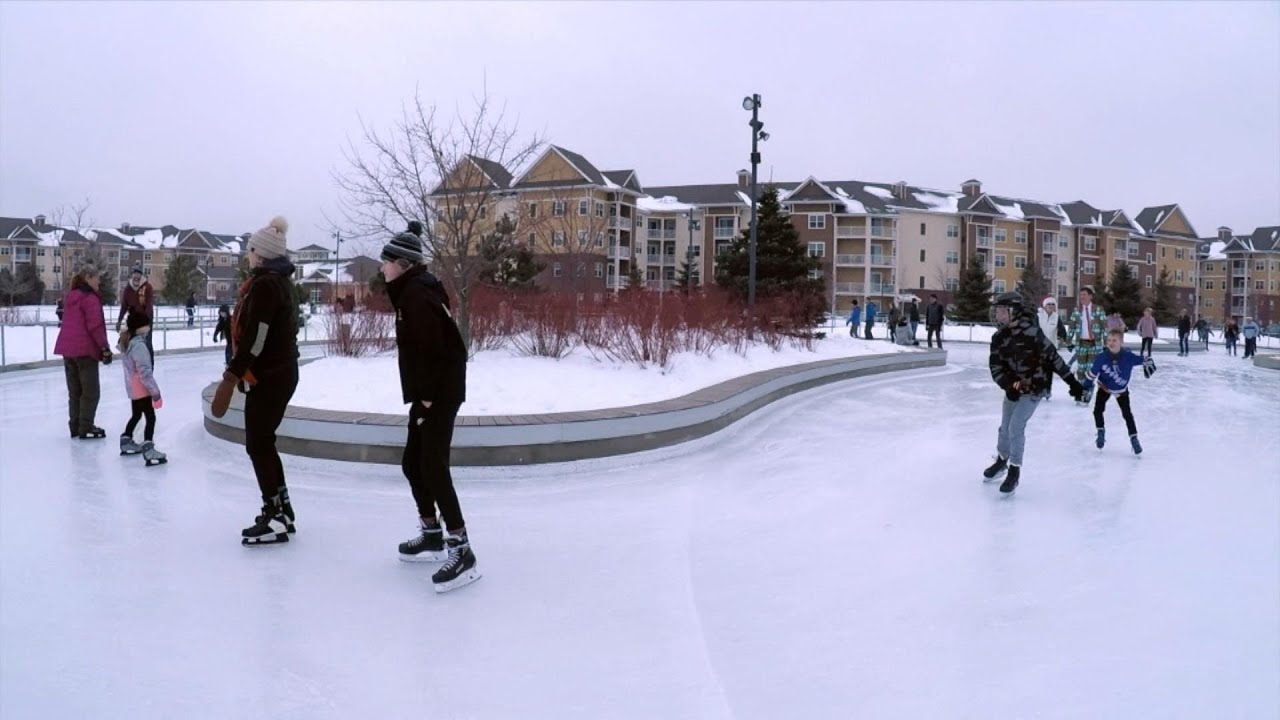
[1112, 372]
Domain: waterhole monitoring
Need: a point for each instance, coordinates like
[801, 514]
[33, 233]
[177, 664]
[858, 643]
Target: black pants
[869, 324]
[930, 332]
[142, 407]
[1184, 344]
[1250, 346]
[264, 407]
[227, 354]
[1146, 346]
[426, 462]
[1122, 400]
[83, 392]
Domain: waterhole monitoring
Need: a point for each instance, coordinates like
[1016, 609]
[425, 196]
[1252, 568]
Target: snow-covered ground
[502, 383]
[834, 555]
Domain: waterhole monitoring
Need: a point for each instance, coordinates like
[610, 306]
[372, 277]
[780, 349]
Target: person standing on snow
[913, 317]
[855, 319]
[1184, 334]
[1087, 329]
[1022, 360]
[934, 316]
[1250, 331]
[1147, 329]
[433, 381]
[1111, 371]
[871, 317]
[1051, 325]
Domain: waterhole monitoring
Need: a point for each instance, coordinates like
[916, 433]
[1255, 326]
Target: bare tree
[449, 170]
[74, 217]
[574, 234]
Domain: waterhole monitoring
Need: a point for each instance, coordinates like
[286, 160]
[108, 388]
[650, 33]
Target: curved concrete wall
[559, 437]
[1270, 362]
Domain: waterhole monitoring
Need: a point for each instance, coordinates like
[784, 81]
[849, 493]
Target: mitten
[1013, 394]
[1148, 368]
[157, 402]
[222, 395]
[106, 356]
[1076, 389]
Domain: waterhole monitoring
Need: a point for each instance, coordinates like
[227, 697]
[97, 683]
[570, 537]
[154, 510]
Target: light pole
[758, 134]
[694, 226]
[337, 254]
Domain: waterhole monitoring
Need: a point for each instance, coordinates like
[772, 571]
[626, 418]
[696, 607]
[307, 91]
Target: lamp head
[763, 136]
[748, 103]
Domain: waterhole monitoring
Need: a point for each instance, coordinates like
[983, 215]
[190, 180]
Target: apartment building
[1177, 248]
[1240, 275]
[672, 237]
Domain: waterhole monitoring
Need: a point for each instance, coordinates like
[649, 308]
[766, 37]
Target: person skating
[1087, 331]
[871, 317]
[1231, 335]
[933, 319]
[855, 319]
[223, 329]
[895, 315]
[139, 297]
[82, 343]
[1250, 331]
[1051, 325]
[433, 379]
[191, 308]
[141, 387]
[1022, 360]
[1147, 329]
[1184, 334]
[913, 317]
[264, 364]
[1111, 371]
[1202, 330]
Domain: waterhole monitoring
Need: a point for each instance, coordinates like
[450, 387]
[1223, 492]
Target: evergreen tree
[508, 263]
[23, 287]
[181, 278]
[107, 286]
[635, 281]
[378, 284]
[1162, 305]
[782, 262]
[1123, 295]
[1033, 285]
[973, 296]
[684, 277]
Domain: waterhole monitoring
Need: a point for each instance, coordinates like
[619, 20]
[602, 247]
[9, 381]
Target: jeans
[1250, 347]
[930, 332]
[83, 392]
[426, 462]
[264, 407]
[1184, 344]
[1146, 346]
[1122, 400]
[869, 324]
[142, 407]
[1012, 436]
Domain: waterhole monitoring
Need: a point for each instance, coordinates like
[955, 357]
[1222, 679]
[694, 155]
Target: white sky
[220, 116]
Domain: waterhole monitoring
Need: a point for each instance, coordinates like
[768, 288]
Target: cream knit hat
[269, 242]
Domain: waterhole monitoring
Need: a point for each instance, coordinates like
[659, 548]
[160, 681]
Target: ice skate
[153, 456]
[1101, 439]
[128, 446]
[1137, 446]
[93, 433]
[460, 570]
[1011, 480]
[269, 527]
[428, 546]
[996, 468]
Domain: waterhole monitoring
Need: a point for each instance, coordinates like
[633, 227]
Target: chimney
[38, 220]
[1224, 234]
[971, 188]
[744, 179]
[124, 227]
[900, 190]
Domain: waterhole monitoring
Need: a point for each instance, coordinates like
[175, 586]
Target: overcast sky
[221, 115]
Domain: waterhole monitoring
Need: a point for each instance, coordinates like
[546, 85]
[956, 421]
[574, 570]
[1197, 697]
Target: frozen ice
[833, 555]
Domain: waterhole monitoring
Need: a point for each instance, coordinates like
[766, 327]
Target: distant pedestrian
[934, 317]
[223, 329]
[895, 315]
[191, 308]
[913, 316]
[855, 320]
[1202, 329]
[1147, 329]
[871, 316]
[1230, 335]
[1184, 334]
[82, 343]
[1115, 322]
[1250, 331]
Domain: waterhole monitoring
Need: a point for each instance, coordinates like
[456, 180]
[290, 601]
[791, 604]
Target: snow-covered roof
[1215, 250]
[879, 192]
[666, 203]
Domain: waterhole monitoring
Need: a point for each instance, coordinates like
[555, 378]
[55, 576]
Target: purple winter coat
[83, 332]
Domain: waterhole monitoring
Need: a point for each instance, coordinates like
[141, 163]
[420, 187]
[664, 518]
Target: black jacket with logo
[433, 359]
[933, 315]
[264, 328]
[1020, 351]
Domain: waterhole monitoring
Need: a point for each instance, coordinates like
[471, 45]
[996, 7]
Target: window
[557, 239]
[1002, 235]
[1062, 291]
[1133, 270]
[1020, 238]
[1177, 253]
[1260, 265]
[555, 269]
[817, 222]
[599, 239]
[533, 210]
[1001, 261]
[1089, 267]
[953, 231]
[953, 257]
[1062, 266]
[1208, 302]
[533, 239]
[1208, 268]
[817, 249]
[1020, 262]
[582, 238]
[1208, 284]
[599, 209]
[1150, 258]
[584, 207]
[1062, 240]
[725, 227]
[1259, 285]
[557, 208]
[1090, 243]
[921, 282]
[1162, 253]
[40, 253]
[1177, 276]
[815, 274]
[952, 284]
[146, 257]
[599, 269]
[222, 286]
[922, 255]
[111, 256]
[697, 251]
[57, 269]
[998, 286]
[580, 270]
[484, 212]
[459, 213]
[922, 228]
[57, 252]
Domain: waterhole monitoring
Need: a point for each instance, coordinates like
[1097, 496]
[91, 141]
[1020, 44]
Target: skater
[191, 308]
[855, 319]
[1021, 361]
[892, 327]
[1230, 335]
[1086, 338]
[82, 343]
[1184, 334]
[1250, 331]
[141, 387]
[1115, 322]
[1111, 371]
[58, 310]
[1147, 329]
[1202, 329]
[1053, 328]
[871, 317]
[138, 296]
[913, 316]
[223, 329]
[933, 319]
[433, 380]
[264, 363]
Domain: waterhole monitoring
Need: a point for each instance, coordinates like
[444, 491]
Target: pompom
[415, 227]
[280, 224]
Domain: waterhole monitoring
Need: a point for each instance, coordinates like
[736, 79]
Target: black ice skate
[128, 446]
[271, 526]
[151, 455]
[1137, 446]
[93, 433]
[428, 546]
[996, 468]
[460, 570]
[1011, 480]
[1101, 439]
[289, 517]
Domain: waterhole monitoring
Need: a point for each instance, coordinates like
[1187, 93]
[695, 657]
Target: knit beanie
[405, 246]
[269, 242]
[136, 320]
[1050, 301]
[137, 269]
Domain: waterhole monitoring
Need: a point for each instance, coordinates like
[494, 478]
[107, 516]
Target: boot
[1102, 438]
[152, 455]
[1011, 480]
[128, 446]
[93, 433]
[460, 569]
[1137, 446]
[268, 527]
[996, 468]
[428, 546]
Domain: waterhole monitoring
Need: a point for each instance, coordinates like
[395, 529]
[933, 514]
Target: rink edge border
[491, 440]
[1269, 361]
[44, 364]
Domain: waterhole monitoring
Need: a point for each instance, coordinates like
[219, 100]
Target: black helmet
[1009, 299]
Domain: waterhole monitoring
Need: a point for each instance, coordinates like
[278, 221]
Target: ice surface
[834, 555]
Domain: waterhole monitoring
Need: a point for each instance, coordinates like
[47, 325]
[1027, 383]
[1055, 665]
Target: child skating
[140, 384]
[1111, 371]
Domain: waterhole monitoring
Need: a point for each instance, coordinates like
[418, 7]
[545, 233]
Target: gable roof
[312, 247]
[625, 179]
[498, 175]
[810, 190]
[1151, 218]
[581, 164]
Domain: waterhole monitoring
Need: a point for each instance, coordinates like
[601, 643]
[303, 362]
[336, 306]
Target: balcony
[851, 231]
[983, 242]
[613, 252]
[884, 231]
[615, 282]
[1239, 273]
[883, 260]
[849, 288]
[882, 289]
[726, 233]
[850, 260]
[662, 234]
[659, 285]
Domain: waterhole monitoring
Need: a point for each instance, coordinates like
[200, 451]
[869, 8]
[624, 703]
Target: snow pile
[666, 203]
[879, 192]
[1013, 211]
[851, 205]
[938, 202]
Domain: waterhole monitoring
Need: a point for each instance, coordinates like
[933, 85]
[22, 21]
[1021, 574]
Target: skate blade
[462, 580]
[157, 462]
[433, 557]
[265, 540]
[136, 452]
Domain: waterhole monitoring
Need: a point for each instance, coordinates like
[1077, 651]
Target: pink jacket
[1147, 326]
[84, 332]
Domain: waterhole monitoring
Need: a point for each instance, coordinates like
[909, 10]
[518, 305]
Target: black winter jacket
[1184, 325]
[1020, 351]
[933, 315]
[265, 325]
[913, 313]
[433, 360]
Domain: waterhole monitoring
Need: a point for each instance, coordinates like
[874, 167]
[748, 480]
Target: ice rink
[835, 555]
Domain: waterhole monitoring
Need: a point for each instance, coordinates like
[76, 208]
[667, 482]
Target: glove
[1014, 392]
[157, 402]
[1148, 368]
[1076, 389]
[106, 356]
[222, 395]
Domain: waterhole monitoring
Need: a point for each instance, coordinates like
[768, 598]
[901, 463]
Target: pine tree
[973, 296]
[1123, 295]
[23, 287]
[507, 263]
[180, 279]
[1033, 285]
[782, 262]
[1162, 305]
[684, 279]
[107, 287]
[635, 281]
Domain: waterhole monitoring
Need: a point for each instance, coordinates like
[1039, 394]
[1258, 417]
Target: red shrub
[547, 324]
[360, 333]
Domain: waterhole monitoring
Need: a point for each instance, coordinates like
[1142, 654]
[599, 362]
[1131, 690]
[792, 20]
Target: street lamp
[337, 253]
[752, 104]
[694, 226]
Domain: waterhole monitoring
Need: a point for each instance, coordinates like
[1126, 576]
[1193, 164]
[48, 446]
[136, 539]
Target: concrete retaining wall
[559, 437]
[39, 364]
[1270, 362]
